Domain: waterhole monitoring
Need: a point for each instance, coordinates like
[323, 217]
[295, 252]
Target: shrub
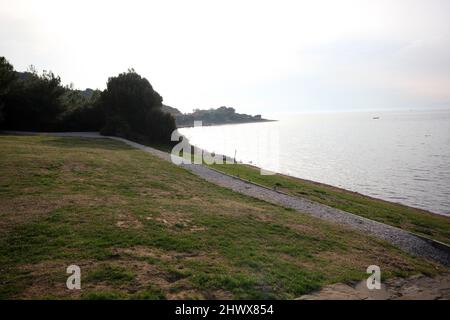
[34, 103]
[133, 110]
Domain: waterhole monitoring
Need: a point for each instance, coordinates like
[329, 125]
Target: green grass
[142, 228]
[415, 220]
[110, 274]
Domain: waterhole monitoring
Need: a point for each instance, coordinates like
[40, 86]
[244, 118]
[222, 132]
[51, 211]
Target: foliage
[132, 109]
[129, 107]
[222, 115]
[83, 112]
[7, 78]
[34, 103]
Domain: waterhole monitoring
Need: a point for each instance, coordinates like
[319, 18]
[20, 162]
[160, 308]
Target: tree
[34, 103]
[159, 126]
[82, 111]
[129, 107]
[7, 79]
[7, 76]
[132, 109]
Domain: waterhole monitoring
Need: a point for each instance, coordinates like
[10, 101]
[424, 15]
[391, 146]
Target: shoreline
[384, 159]
[283, 233]
[322, 184]
[318, 199]
[224, 124]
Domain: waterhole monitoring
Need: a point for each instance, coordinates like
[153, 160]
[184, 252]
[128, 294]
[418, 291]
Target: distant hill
[171, 110]
[22, 76]
[222, 115]
[87, 93]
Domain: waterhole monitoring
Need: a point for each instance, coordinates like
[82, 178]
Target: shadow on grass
[91, 143]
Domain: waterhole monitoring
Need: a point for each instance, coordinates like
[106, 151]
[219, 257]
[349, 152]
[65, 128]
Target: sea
[399, 156]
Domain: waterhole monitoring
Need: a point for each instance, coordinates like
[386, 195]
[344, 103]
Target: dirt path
[405, 240]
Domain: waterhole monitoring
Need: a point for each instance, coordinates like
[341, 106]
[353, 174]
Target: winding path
[405, 240]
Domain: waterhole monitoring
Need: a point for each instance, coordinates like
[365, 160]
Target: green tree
[132, 110]
[35, 103]
[7, 79]
[82, 111]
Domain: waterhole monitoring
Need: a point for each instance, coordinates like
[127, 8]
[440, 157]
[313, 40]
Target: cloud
[248, 54]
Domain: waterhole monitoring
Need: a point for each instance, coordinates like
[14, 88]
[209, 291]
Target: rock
[418, 287]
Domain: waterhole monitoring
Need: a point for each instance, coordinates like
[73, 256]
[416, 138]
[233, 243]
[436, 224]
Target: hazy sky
[257, 56]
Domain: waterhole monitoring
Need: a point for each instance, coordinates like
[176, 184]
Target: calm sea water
[401, 157]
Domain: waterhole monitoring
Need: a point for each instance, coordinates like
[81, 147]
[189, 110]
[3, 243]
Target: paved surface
[402, 239]
[414, 288]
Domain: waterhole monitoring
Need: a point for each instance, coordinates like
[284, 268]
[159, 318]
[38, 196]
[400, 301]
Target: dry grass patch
[27, 207]
[128, 220]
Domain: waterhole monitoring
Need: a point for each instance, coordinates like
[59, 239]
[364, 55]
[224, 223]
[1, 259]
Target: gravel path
[407, 241]
[403, 239]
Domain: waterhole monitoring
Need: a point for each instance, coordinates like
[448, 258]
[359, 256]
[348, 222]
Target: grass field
[415, 220]
[143, 228]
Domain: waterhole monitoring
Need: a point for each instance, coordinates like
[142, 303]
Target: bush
[160, 126]
[34, 103]
[115, 126]
[133, 110]
[82, 113]
[128, 108]
[7, 79]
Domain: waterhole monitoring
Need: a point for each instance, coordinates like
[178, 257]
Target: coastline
[325, 185]
[194, 222]
[326, 201]
[326, 149]
[418, 221]
[356, 193]
[225, 123]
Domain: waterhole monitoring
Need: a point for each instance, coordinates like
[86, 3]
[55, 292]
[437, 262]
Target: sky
[258, 56]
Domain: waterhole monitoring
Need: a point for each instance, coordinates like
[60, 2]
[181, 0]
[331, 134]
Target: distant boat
[376, 118]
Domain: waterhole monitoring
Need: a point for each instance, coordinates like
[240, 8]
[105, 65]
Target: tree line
[129, 107]
[222, 115]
